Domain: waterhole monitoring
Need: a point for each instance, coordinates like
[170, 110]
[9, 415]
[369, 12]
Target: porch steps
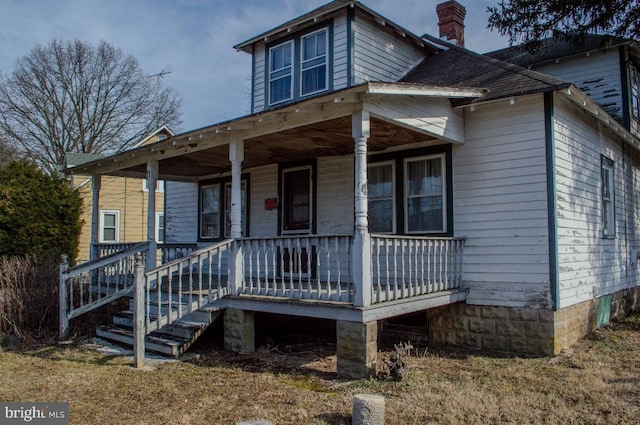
[172, 339]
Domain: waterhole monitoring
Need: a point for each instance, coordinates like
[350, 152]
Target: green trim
[554, 278]
[351, 17]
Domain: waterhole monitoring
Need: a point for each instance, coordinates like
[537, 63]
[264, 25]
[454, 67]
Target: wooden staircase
[170, 334]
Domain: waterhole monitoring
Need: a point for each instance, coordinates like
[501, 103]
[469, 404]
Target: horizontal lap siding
[335, 195]
[597, 75]
[181, 212]
[264, 185]
[500, 205]
[590, 265]
[381, 55]
[340, 52]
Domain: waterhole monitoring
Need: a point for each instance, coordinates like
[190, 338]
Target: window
[215, 209]
[159, 185]
[227, 208]
[280, 73]
[608, 210]
[424, 199]
[159, 227]
[314, 63]
[298, 67]
[210, 212]
[381, 198]
[408, 192]
[110, 226]
[635, 92]
[296, 194]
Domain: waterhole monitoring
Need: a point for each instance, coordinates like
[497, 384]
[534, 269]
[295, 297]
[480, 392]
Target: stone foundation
[357, 347]
[239, 331]
[525, 331]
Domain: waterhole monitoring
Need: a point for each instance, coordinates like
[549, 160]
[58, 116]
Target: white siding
[335, 195]
[590, 265]
[340, 52]
[259, 78]
[500, 205]
[381, 55]
[181, 212]
[264, 185]
[598, 75]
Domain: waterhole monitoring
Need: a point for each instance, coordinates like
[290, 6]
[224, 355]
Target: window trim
[227, 208]
[607, 185]
[222, 183]
[405, 196]
[394, 224]
[159, 186]
[116, 213]
[399, 158]
[325, 63]
[296, 40]
[157, 228]
[309, 229]
[291, 73]
[634, 92]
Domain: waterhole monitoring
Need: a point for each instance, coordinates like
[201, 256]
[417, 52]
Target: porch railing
[186, 284]
[298, 267]
[95, 283]
[409, 266]
[166, 251]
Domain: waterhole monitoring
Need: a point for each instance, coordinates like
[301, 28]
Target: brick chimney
[451, 21]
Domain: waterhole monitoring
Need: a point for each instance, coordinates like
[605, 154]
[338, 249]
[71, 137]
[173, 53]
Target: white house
[383, 173]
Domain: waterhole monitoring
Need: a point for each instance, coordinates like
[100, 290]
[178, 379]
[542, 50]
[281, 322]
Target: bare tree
[74, 97]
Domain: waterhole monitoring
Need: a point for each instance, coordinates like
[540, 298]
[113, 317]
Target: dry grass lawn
[597, 382]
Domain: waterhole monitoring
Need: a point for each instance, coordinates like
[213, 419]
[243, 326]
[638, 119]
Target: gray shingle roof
[459, 67]
[555, 48]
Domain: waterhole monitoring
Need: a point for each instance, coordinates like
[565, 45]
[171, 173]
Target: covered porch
[357, 277]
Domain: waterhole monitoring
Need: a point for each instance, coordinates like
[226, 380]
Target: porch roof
[320, 126]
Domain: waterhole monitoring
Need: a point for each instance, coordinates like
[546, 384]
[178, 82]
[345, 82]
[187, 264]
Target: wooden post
[362, 239]
[139, 317]
[236, 272]
[94, 253]
[152, 178]
[63, 324]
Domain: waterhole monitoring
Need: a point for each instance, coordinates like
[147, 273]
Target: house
[382, 173]
[122, 208]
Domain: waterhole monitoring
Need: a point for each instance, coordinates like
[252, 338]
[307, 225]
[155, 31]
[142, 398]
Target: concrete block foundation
[239, 331]
[357, 347]
[525, 331]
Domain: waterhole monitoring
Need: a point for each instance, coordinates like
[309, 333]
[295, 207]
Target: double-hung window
[314, 63]
[110, 226]
[608, 211]
[160, 227]
[425, 195]
[381, 194]
[281, 73]
[635, 91]
[215, 209]
[298, 67]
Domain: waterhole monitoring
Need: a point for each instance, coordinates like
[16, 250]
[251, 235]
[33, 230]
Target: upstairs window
[314, 63]
[298, 67]
[281, 73]
[608, 212]
[635, 92]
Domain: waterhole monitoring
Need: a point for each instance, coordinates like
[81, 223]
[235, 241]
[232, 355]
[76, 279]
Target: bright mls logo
[36, 413]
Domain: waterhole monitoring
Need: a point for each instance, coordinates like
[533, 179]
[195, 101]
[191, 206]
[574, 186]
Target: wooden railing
[90, 285]
[409, 266]
[298, 267]
[166, 251]
[186, 284]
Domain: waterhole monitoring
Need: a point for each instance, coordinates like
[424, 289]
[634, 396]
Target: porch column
[152, 178]
[362, 239]
[236, 156]
[94, 251]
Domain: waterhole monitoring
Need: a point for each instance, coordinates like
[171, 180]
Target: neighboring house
[383, 173]
[122, 207]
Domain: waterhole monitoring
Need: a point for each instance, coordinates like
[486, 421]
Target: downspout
[554, 278]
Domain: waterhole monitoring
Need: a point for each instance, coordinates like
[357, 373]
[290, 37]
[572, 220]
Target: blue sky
[194, 39]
